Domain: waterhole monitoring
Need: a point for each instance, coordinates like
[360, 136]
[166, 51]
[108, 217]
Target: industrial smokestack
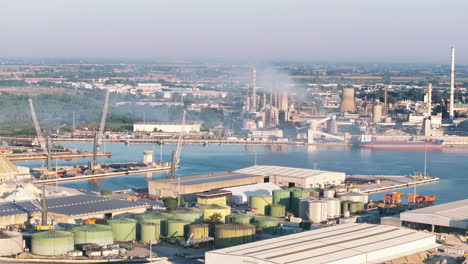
[347, 102]
[452, 84]
[429, 99]
[254, 89]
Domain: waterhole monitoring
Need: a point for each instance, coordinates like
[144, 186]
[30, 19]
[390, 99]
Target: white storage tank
[357, 197]
[11, 243]
[329, 193]
[304, 207]
[340, 189]
[354, 189]
[317, 211]
[333, 207]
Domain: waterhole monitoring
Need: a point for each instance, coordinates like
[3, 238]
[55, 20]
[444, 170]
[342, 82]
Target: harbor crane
[43, 143]
[176, 153]
[93, 166]
[313, 130]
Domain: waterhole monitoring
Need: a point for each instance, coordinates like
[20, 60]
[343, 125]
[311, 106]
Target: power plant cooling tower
[347, 102]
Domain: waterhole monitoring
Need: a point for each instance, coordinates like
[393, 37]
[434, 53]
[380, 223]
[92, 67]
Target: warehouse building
[189, 127]
[296, 177]
[341, 244]
[189, 186]
[440, 218]
[69, 209]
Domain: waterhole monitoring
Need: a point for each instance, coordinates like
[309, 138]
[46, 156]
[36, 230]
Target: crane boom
[179, 141]
[103, 118]
[40, 137]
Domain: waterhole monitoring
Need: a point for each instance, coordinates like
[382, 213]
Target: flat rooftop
[208, 179]
[264, 170]
[348, 243]
[75, 205]
[454, 214]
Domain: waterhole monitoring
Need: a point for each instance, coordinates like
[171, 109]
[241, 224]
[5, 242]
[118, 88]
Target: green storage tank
[157, 218]
[296, 195]
[266, 224]
[282, 197]
[96, 234]
[233, 234]
[198, 231]
[190, 215]
[277, 210]
[241, 218]
[149, 231]
[124, 229]
[52, 243]
[344, 207]
[176, 227]
[353, 207]
[261, 203]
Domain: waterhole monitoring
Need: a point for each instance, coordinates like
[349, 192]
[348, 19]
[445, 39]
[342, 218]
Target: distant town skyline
[337, 30]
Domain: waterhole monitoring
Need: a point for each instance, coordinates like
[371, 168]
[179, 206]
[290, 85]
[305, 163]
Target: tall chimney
[452, 84]
[254, 90]
[429, 99]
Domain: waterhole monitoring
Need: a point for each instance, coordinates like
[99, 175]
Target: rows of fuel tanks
[148, 227]
[314, 204]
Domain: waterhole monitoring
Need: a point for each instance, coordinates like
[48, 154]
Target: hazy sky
[335, 30]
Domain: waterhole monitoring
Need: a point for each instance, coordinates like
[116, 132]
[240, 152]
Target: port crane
[93, 166]
[176, 153]
[43, 142]
[314, 131]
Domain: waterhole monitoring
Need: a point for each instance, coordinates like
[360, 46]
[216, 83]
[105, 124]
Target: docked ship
[366, 142]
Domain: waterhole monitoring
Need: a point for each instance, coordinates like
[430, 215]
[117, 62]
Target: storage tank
[340, 189]
[96, 234]
[11, 243]
[124, 229]
[296, 195]
[52, 243]
[233, 234]
[344, 207]
[211, 209]
[266, 224]
[261, 203]
[149, 232]
[190, 215]
[317, 211]
[241, 219]
[329, 193]
[176, 227]
[282, 197]
[377, 113]
[157, 218]
[304, 207]
[358, 197]
[354, 189]
[333, 207]
[198, 231]
[355, 207]
[277, 210]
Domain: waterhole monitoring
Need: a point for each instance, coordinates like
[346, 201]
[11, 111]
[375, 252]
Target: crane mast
[44, 143]
[176, 153]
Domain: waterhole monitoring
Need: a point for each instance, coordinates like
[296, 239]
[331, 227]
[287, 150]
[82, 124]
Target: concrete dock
[104, 175]
[382, 183]
[55, 156]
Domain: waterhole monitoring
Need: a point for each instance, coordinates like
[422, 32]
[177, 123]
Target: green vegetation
[173, 203]
[106, 192]
[19, 151]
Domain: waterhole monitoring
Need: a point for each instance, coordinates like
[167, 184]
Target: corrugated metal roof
[228, 177]
[69, 205]
[264, 170]
[339, 243]
[457, 210]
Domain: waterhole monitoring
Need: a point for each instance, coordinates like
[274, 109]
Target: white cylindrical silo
[315, 211]
[329, 193]
[333, 207]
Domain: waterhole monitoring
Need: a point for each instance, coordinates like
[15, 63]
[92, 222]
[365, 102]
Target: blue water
[450, 165]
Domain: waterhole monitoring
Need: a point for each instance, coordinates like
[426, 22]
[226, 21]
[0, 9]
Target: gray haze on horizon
[323, 30]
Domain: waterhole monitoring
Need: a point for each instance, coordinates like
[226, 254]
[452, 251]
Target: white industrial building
[341, 244]
[295, 177]
[241, 194]
[189, 127]
[452, 215]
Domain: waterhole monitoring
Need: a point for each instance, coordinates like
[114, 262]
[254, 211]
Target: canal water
[450, 164]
